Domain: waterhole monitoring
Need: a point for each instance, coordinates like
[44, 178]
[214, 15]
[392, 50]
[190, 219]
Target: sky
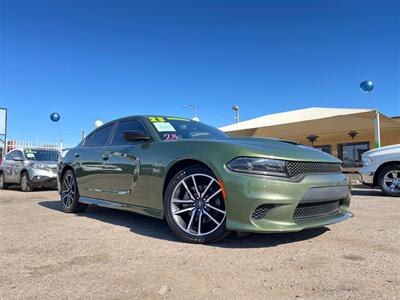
[90, 60]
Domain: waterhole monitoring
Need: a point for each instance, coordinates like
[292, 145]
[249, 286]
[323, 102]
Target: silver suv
[31, 168]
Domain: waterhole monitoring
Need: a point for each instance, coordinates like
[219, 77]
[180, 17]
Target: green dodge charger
[201, 181]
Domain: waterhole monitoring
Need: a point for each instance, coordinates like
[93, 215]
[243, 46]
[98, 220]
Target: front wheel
[389, 180]
[25, 183]
[70, 194]
[3, 184]
[195, 207]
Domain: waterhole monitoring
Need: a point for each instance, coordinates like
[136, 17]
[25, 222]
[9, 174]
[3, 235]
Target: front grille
[296, 168]
[319, 209]
[261, 211]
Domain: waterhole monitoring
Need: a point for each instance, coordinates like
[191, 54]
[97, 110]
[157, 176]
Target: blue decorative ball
[55, 117]
[366, 86]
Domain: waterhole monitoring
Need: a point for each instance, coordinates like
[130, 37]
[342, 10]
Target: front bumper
[367, 174]
[44, 181]
[246, 193]
[42, 178]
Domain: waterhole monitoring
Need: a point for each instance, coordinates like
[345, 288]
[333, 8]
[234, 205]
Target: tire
[389, 180]
[25, 183]
[69, 196]
[3, 184]
[185, 205]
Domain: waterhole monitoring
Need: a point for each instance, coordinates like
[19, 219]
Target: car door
[7, 167]
[18, 165]
[90, 163]
[122, 173]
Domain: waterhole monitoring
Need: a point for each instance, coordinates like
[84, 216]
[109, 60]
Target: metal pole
[377, 129]
[237, 116]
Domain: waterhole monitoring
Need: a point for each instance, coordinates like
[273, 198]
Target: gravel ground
[108, 254]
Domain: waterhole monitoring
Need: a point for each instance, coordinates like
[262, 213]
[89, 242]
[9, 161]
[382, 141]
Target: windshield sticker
[164, 126]
[170, 137]
[156, 119]
[30, 155]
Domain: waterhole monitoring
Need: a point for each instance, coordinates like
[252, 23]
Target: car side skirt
[151, 212]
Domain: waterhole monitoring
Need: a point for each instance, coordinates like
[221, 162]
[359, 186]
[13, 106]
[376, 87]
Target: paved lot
[106, 254]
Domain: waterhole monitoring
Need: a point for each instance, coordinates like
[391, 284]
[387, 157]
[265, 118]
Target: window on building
[351, 153]
[324, 148]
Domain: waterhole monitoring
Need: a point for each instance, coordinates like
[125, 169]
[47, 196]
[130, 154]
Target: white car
[381, 167]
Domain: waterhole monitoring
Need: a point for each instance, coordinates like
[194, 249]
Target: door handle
[77, 154]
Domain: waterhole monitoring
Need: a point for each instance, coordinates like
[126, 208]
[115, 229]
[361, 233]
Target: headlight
[38, 166]
[367, 161]
[260, 166]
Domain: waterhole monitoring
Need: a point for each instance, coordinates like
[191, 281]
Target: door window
[9, 155]
[100, 136]
[123, 126]
[350, 154]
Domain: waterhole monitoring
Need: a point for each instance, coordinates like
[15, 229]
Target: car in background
[203, 182]
[30, 168]
[381, 167]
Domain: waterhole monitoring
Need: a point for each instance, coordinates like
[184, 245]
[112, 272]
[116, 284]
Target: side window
[126, 126]
[9, 155]
[100, 137]
[18, 153]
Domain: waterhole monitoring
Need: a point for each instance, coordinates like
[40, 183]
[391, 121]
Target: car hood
[279, 149]
[393, 149]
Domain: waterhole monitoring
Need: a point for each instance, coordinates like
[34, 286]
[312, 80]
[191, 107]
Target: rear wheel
[194, 206]
[389, 180]
[25, 183]
[3, 184]
[70, 194]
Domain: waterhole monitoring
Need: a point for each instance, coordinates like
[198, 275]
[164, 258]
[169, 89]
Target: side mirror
[135, 136]
[17, 158]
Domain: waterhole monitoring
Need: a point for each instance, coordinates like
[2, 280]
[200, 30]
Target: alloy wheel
[24, 182]
[197, 204]
[68, 190]
[391, 181]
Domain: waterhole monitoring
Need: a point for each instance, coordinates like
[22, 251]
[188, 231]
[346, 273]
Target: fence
[12, 144]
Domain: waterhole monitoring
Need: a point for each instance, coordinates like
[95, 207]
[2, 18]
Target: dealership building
[344, 133]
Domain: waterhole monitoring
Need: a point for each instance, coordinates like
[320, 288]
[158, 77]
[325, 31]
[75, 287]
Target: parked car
[381, 167]
[200, 180]
[30, 168]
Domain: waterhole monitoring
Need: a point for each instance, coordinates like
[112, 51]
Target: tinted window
[350, 154]
[170, 128]
[100, 137]
[123, 126]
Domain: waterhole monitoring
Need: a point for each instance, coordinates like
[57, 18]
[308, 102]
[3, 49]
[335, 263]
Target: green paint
[134, 176]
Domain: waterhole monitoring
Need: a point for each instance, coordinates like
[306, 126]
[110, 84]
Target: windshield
[41, 155]
[172, 129]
